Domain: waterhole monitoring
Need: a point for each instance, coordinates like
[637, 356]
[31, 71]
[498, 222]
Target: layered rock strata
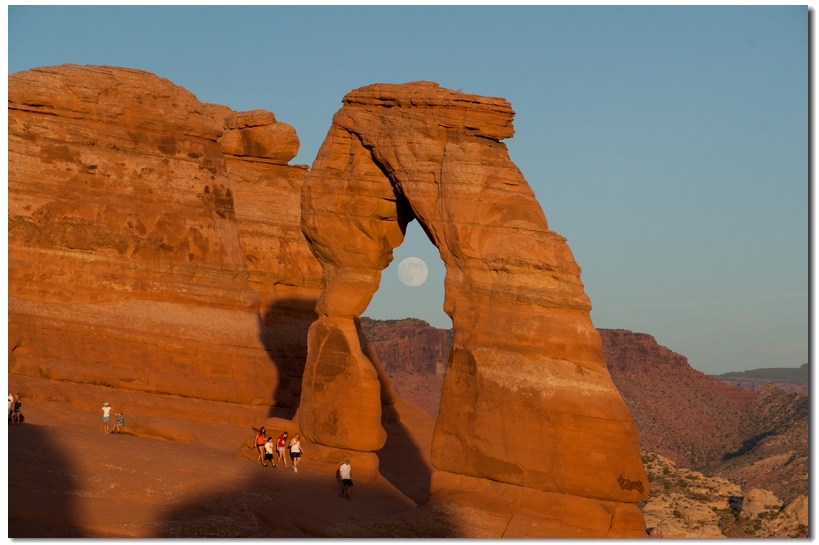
[527, 399]
[137, 258]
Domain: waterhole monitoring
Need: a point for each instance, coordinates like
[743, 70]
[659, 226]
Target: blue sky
[669, 145]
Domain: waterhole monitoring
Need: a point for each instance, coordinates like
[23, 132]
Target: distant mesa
[790, 379]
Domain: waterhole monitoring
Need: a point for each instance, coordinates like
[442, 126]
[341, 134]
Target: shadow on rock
[276, 503]
[283, 331]
[401, 461]
[747, 445]
[41, 486]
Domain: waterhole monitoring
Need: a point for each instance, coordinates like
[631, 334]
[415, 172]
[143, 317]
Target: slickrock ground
[69, 479]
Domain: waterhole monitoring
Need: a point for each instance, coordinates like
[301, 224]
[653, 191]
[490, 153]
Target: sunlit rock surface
[145, 230]
[527, 398]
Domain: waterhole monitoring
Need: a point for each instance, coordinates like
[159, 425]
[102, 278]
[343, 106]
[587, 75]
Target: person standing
[346, 474]
[16, 416]
[260, 441]
[281, 444]
[106, 415]
[11, 404]
[268, 451]
[295, 452]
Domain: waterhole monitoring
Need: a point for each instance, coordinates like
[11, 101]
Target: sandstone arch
[527, 399]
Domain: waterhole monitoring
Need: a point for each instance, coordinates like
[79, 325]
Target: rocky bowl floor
[67, 478]
[685, 503]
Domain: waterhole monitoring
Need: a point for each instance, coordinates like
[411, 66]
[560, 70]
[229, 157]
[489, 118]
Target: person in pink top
[281, 445]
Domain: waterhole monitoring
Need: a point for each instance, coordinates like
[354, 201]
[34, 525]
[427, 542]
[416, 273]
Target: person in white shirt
[106, 415]
[345, 472]
[268, 451]
[295, 452]
[11, 403]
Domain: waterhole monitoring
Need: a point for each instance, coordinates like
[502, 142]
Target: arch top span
[431, 104]
[527, 399]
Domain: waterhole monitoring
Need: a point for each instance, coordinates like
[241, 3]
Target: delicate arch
[527, 398]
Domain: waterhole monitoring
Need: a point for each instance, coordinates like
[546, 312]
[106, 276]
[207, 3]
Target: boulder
[798, 509]
[676, 530]
[757, 501]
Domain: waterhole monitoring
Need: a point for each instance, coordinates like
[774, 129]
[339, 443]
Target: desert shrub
[666, 485]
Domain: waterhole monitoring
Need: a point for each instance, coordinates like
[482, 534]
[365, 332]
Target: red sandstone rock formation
[527, 399]
[145, 230]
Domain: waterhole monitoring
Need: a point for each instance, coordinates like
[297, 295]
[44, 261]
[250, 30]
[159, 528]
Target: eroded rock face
[527, 398]
[136, 254]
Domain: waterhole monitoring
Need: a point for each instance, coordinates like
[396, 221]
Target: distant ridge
[771, 374]
[790, 379]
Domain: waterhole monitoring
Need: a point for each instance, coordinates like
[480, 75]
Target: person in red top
[281, 444]
[260, 440]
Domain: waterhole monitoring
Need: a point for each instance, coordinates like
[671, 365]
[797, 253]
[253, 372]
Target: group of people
[15, 416]
[265, 447]
[106, 418]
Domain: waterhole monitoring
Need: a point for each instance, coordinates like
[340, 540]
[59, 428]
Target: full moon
[412, 271]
